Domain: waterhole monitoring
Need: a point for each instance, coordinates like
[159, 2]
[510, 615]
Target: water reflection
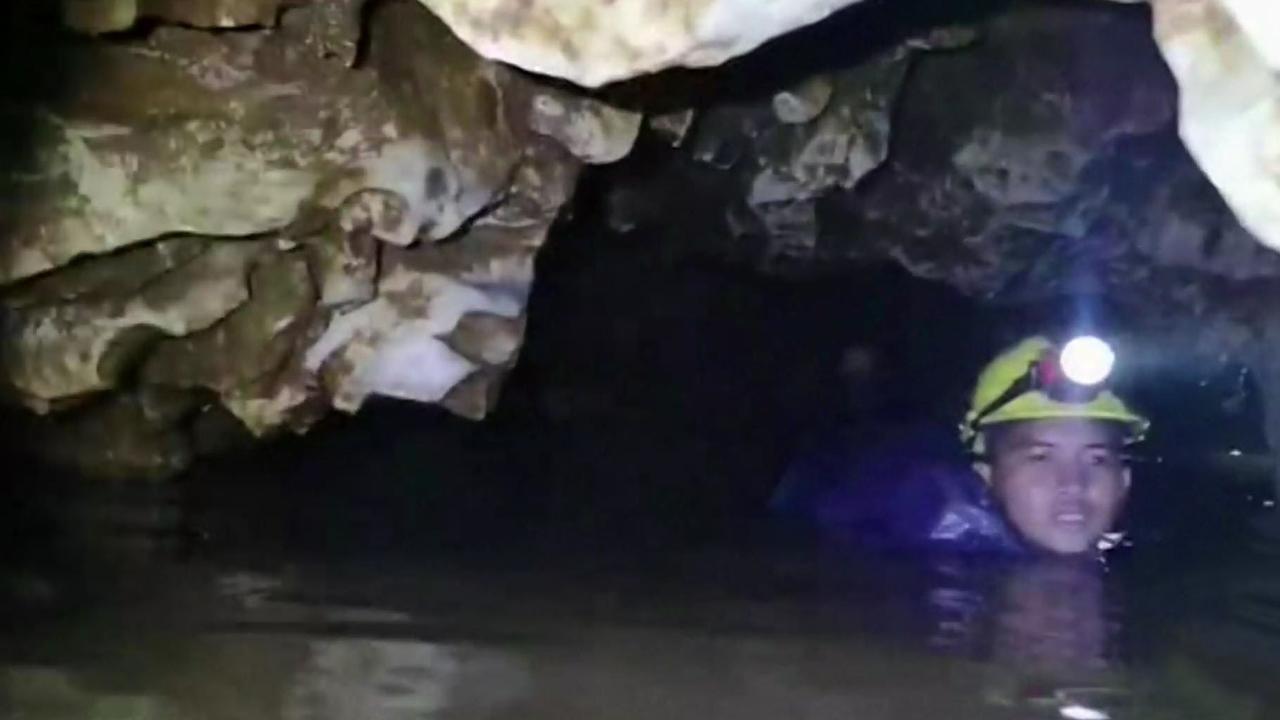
[1053, 641]
[355, 679]
[1052, 619]
[725, 636]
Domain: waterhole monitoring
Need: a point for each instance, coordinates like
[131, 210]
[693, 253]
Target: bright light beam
[1087, 360]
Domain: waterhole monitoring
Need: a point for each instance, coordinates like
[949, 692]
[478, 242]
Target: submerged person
[1042, 470]
[1035, 482]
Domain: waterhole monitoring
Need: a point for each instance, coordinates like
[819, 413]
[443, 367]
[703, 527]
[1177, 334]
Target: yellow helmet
[1009, 368]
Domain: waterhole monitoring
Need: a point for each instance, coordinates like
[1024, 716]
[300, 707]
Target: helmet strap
[1023, 384]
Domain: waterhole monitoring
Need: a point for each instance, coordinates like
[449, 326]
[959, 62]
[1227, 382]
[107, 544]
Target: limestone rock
[1226, 54]
[803, 102]
[847, 139]
[672, 126]
[248, 217]
[233, 134]
[249, 346]
[392, 346]
[448, 313]
[468, 113]
[1187, 225]
[346, 262]
[102, 16]
[212, 13]
[447, 319]
[127, 436]
[785, 166]
[70, 349]
[245, 217]
[331, 28]
[992, 182]
[591, 130]
[1015, 176]
[542, 183]
[398, 345]
[1226, 57]
[593, 43]
[217, 137]
[113, 276]
[486, 338]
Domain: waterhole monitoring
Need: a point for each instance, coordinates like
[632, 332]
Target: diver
[1043, 469]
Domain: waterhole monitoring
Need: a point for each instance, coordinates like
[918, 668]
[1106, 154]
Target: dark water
[747, 632]
[330, 609]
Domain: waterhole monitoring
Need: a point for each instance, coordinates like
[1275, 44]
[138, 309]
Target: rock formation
[1226, 56]
[245, 218]
[343, 199]
[1224, 53]
[1016, 166]
[593, 43]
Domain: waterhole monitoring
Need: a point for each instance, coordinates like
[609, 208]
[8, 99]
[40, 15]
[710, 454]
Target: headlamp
[1075, 374]
[1087, 360]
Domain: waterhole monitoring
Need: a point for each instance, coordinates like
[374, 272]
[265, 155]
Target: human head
[1055, 465]
[1061, 482]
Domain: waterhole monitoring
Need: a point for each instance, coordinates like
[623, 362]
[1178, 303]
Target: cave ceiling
[279, 208]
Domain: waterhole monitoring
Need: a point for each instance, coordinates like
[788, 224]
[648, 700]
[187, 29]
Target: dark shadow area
[37, 70]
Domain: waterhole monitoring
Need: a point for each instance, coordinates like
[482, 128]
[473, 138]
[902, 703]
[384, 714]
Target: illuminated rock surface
[339, 201]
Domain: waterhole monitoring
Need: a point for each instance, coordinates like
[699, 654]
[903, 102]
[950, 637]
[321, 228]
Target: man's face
[1061, 482]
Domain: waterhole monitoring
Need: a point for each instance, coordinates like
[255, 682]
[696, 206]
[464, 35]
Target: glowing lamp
[1087, 360]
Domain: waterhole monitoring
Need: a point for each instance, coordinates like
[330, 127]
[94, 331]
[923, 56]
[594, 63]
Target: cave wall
[1224, 53]
[262, 210]
[254, 222]
[1006, 158]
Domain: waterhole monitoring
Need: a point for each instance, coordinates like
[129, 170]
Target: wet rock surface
[219, 214]
[100, 16]
[341, 200]
[593, 43]
[1226, 55]
[1059, 181]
